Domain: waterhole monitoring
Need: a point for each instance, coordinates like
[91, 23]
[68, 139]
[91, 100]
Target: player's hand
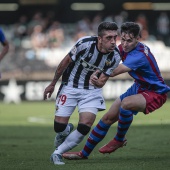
[94, 78]
[48, 91]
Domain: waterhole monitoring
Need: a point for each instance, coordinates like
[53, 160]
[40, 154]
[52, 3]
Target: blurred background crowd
[39, 41]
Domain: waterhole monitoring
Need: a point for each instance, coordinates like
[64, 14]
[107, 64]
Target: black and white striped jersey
[86, 59]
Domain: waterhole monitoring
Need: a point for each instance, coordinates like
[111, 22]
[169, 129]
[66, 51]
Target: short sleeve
[135, 60]
[79, 46]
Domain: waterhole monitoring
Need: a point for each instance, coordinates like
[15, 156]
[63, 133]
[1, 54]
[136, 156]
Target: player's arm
[4, 50]
[119, 70]
[61, 68]
[99, 81]
[59, 71]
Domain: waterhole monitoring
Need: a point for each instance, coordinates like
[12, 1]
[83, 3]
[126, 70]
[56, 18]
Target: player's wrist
[53, 83]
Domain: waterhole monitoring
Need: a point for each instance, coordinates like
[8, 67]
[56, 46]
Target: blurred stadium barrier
[13, 91]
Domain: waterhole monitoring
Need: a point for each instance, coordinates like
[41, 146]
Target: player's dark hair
[104, 26]
[131, 28]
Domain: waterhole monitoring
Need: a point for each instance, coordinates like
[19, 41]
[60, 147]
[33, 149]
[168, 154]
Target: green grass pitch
[26, 140]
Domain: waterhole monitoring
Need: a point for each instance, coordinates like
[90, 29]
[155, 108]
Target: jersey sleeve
[77, 49]
[2, 36]
[135, 61]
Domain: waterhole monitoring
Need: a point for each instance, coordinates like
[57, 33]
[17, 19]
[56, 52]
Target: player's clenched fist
[94, 78]
[48, 91]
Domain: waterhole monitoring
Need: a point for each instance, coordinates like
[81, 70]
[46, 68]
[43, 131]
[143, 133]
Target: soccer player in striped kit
[5, 45]
[148, 93]
[89, 54]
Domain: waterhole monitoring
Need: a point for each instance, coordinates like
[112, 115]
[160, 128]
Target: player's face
[128, 42]
[107, 42]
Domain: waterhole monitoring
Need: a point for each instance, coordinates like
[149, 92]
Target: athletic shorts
[153, 100]
[87, 100]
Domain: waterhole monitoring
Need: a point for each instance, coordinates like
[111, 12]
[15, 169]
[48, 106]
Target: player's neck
[101, 49]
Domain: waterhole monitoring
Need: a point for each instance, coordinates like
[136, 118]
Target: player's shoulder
[86, 39]
[142, 49]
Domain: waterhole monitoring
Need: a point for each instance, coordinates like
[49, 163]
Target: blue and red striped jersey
[144, 69]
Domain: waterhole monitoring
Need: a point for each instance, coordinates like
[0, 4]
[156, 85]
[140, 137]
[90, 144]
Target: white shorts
[86, 101]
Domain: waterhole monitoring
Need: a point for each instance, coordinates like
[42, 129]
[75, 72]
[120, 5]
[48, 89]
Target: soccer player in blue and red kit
[148, 93]
[5, 44]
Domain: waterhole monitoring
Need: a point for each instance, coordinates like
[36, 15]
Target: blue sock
[96, 135]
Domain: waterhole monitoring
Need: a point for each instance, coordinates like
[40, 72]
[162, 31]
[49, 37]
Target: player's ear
[138, 37]
[99, 39]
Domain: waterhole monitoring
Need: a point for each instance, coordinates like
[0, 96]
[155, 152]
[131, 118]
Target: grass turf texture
[26, 140]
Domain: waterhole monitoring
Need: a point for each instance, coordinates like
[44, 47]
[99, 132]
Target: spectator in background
[84, 25]
[95, 22]
[142, 21]
[38, 38]
[20, 31]
[5, 45]
[83, 28]
[163, 28]
[21, 27]
[55, 35]
[108, 18]
[120, 18]
[37, 19]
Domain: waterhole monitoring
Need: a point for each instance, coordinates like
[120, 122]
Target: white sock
[72, 140]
